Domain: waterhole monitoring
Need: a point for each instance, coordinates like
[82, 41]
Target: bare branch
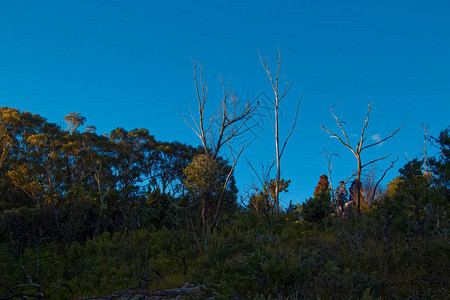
[339, 123]
[382, 177]
[59, 287]
[386, 138]
[354, 173]
[293, 126]
[201, 90]
[232, 124]
[278, 73]
[26, 274]
[375, 160]
[364, 129]
[265, 172]
[229, 122]
[223, 122]
[185, 121]
[287, 88]
[266, 67]
[339, 138]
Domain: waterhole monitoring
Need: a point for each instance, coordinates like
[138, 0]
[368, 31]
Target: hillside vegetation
[83, 214]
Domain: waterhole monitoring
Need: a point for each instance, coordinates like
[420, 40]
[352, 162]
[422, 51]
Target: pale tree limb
[359, 149]
[201, 98]
[339, 123]
[386, 138]
[293, 126]
[375, 160]
[339, 138]
[189, 124]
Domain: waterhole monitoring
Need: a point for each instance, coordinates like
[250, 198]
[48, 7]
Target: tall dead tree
[359, 147]
[279, 95]
[222, 128]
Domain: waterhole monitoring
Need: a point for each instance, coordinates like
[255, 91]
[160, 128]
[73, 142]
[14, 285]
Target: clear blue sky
[128, 64]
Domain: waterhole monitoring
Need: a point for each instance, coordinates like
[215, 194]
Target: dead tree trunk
[278, 96]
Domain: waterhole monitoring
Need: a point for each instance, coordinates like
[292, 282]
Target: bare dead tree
[227, 124]
[222, 128]
[279, 95]
[359, 147]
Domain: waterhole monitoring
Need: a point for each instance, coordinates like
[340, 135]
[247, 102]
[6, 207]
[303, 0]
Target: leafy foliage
[317, 208]
[263, 201]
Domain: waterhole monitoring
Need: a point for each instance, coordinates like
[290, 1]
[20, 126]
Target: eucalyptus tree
[263, 200]
[5, 144]
[32, 167]
[168, 164]
[74, 120]
[133, 151]
[205, 179]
